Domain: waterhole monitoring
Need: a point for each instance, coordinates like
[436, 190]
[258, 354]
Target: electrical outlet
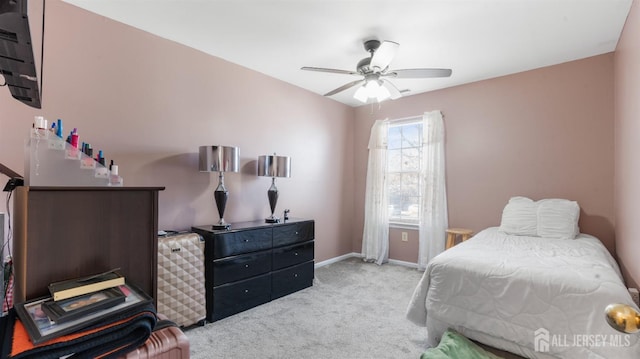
[405, 237]
[635, 295]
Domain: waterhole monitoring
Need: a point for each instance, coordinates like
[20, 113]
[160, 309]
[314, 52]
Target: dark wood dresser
[254, 263]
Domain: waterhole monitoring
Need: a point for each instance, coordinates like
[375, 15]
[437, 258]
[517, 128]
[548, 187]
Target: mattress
[181, 278]
[536, 297]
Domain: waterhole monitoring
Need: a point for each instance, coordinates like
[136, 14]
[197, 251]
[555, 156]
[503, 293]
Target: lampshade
[274, 166]
[219, 159]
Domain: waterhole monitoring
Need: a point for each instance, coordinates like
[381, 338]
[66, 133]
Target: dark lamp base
[272, 220]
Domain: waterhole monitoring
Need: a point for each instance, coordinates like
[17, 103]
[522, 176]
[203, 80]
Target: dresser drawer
[292, 279]
[292, 255]
[291, 233]
[233, 298]
[234, 243]
[235, 268]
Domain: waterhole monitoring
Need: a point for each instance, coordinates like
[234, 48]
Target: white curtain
[433, 208]
[375, 236]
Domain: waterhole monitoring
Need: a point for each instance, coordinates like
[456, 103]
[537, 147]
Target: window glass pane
[410, 184]
[403, 172]
[394, 183]
[394, 137]
[410, 159]
[394, 191]
[411, 209]
[411, 135]
[394, 160]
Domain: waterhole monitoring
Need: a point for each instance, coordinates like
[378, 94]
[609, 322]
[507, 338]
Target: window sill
[414, 227]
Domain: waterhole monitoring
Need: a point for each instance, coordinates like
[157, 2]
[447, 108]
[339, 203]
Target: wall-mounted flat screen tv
[21, 39]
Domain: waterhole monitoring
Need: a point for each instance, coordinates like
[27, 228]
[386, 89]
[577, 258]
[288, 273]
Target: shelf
[50, 161]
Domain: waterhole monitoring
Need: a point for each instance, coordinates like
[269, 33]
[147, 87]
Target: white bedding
[500, 289]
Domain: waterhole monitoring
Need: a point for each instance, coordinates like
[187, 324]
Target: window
[404, 158]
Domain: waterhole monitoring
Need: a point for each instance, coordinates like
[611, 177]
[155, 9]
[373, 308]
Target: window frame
[398, 222]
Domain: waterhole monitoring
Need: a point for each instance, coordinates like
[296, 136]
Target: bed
[535, 296]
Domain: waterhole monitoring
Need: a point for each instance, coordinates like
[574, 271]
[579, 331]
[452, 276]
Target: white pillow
[520, 217]
[558, 218]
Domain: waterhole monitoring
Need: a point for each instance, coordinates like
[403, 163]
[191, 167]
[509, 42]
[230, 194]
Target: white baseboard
[358, 255]
[403, 263]
[337, 259]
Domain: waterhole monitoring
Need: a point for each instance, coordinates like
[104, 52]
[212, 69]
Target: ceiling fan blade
[393, 90]
[333, 71]
[345, 87]
[418, 73]
[383, 56]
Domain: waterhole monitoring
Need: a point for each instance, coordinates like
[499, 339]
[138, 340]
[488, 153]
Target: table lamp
[274, 166]
[219, 159]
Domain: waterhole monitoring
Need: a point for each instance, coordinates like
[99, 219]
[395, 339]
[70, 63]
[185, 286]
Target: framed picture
[42, 328]
[73, 308]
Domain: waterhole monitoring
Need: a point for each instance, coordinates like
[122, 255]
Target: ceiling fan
[375, 72]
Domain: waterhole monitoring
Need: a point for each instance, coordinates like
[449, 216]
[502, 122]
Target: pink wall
[149, 103]
[542, 133]
[627, 150]
[400, 250]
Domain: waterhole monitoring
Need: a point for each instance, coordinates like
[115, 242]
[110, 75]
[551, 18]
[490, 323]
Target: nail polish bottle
[114, 179]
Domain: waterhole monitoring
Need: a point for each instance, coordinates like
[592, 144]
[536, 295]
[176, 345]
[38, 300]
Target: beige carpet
[354, 310]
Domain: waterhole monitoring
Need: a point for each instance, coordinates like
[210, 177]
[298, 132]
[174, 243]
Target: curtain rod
[407, 119]
[404, 119]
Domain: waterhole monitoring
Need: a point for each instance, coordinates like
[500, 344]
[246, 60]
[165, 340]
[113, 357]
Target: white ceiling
[477, 39]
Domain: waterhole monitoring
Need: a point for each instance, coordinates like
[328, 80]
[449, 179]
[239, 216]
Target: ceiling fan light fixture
[361, 94]
[383, 93]
[373, 89]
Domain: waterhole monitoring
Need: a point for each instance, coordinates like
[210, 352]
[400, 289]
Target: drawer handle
[295, 254]
[246, 266]
[246, 241]
[246, 290]
[295, 275]
[297, 233]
